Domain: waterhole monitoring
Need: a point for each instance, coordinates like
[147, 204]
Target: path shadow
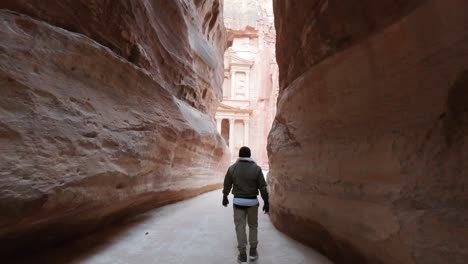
[78, 250]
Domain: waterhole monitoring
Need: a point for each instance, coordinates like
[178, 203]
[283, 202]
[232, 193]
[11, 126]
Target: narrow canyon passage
[357, 108]
[196, 231]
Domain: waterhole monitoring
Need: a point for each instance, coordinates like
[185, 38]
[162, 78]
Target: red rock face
[180, 43]
[369, 148]
[106, 109]
[322, 28]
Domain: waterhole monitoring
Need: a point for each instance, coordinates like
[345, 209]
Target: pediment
[237, 60]
[227, 108]
[222, 106]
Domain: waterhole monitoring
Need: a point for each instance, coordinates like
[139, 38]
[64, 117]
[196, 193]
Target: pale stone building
[250, 77]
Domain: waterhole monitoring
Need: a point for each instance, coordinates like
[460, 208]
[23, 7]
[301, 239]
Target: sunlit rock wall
[106, 109]
[369, 152]
[180, 42]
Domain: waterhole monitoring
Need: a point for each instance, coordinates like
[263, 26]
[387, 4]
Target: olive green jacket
[246, 179]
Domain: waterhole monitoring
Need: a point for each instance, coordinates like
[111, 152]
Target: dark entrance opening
[225, 130]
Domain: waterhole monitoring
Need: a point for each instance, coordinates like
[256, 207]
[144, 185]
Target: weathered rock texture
[369, 152]
[180, 42]
[106, 109]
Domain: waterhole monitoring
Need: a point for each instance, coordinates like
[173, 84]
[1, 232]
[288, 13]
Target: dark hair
[244, 152]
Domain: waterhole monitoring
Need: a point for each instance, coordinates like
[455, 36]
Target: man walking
[245, 178]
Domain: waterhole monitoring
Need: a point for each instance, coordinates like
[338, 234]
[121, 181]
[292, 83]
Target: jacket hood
[246, 159]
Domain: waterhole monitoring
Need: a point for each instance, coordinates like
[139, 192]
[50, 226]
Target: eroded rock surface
[106, 109]
[180, 43]
[369, 152]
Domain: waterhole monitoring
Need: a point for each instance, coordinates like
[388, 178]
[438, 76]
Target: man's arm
[227, 187]
[262, 186]
[227, 183]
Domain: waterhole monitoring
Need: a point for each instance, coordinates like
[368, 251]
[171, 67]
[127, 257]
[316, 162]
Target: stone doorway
[225, 130]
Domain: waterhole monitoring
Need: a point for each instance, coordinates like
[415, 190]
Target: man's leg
[240, 216]
[252, 218]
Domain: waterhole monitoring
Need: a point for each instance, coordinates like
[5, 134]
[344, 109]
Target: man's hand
[225, 201]
[266, 207]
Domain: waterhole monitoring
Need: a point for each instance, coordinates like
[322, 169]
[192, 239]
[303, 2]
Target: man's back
[246, 178]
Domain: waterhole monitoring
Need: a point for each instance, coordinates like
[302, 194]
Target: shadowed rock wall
[369, 152]
[106, 109]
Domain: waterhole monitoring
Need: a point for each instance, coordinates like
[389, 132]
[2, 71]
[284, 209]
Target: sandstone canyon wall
[106, 109]
[369, 151]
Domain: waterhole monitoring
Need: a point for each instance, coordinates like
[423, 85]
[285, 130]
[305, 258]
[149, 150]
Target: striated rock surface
[369, 151]
[180, 43]
[108, 120]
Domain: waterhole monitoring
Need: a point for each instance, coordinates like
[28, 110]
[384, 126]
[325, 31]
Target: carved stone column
[231, 137]
[246, 132]
[233, 84]
[218, 124]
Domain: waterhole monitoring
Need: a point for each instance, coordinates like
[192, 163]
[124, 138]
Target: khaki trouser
[241, 217]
